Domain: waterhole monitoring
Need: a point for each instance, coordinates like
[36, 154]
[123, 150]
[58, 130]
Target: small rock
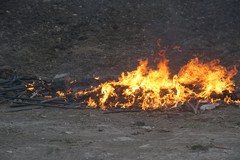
[122, 139]
[164, 130]
[139, 123]
[209, 106]
[9, 152]
[62, 75]
[145, 146]
[43, 116]
[69, 132]
[199, 147]
[147, 128]
[17, 100]
[136, 133]
[100, 129]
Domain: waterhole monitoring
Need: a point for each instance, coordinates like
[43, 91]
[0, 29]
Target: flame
[92, 103]
[60, 93]
[48, 97]
[147, 88]
[30, 86]
[155, 88]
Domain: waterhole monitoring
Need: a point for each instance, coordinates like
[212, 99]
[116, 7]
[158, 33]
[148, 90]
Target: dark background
[105, 37]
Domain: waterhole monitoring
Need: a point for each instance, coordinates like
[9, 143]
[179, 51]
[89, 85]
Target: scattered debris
[209, 106]
[18, 90]
[29, 92]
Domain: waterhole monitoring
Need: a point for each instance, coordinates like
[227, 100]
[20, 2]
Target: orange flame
[60, 93]
[148, 88]
[155, 89]
[30, 86]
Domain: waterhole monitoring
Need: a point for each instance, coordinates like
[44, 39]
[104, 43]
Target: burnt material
[27, 93]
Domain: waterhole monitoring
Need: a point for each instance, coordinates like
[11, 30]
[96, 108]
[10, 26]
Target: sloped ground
[46, 37]
[104, 38]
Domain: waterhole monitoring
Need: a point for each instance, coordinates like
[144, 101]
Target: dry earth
[103, 38]
[91, 134]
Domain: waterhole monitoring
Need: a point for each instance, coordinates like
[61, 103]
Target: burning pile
[147, 88]
[196, 85]
[155, 89]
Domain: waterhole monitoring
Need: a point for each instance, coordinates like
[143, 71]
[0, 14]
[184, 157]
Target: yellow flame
[153, 89]
[92, 103]
[60, 93]
[30, 86]
[148, 88]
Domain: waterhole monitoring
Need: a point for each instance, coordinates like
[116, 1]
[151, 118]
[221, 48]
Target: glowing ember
[60, 93]
[30, 86]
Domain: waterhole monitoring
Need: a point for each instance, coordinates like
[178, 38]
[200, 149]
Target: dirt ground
[89, 38]
[91, 134]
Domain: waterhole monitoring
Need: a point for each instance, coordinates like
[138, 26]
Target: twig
[195, 108]
[19, 105]
[52, 99]
[53, 106]
[22, 109]
[218, 146]
[21, 98]
[4, 81]
[37, 104]
[13, 88]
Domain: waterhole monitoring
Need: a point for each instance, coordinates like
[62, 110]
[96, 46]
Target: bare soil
[104, 38]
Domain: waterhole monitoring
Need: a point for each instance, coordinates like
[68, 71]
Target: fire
[147, 88]
[30, 86]
[156, 89]
[60, 93]
[211, 76]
